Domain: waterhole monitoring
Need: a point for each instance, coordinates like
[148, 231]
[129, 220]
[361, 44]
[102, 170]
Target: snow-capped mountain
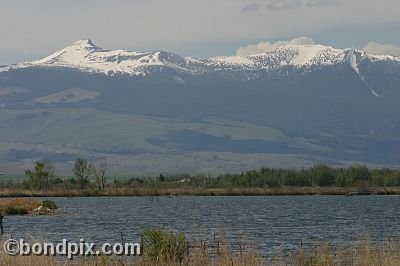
[86, 56]
[296, 103]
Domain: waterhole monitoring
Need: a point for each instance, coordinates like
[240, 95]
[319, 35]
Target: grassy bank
[362, 253]
[190, 191]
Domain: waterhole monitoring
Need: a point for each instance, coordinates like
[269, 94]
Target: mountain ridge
[84, 55]
[158, 111]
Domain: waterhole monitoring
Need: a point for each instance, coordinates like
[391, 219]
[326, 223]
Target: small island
[25, 206]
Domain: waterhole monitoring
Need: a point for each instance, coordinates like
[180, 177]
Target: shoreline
[173, 192]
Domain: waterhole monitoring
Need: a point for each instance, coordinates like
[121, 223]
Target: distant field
[148, 144]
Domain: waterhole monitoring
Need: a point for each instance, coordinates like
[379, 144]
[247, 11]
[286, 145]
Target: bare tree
[82, 171]
[100, 174]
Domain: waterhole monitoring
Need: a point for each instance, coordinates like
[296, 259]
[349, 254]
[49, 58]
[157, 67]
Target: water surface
[272, 224]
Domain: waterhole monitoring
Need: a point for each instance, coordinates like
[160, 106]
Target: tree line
[316, 176]
[89, 175]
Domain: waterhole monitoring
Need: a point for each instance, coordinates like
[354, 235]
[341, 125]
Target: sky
[31, 29]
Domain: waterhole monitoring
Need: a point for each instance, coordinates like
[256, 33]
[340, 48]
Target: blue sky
[31, 29]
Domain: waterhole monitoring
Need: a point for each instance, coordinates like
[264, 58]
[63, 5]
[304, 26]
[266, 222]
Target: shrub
[49, 204]
[164, 246]
[15, 211]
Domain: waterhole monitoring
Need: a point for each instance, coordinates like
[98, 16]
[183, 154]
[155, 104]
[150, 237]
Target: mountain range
[152, 112]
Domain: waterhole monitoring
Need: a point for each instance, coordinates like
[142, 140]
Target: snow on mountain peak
[310, 54]
[84, 43]
[294, 55]
[301, 56]
[73, 54]
[85, 56]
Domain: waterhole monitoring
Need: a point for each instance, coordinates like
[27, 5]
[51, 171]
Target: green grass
[160, 245]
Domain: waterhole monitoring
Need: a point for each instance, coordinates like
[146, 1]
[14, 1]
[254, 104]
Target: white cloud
[277, 5]
[316, 3]
[251, 7]
[285, 4]
[382, 49]
[188, 27]
[263, 47]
